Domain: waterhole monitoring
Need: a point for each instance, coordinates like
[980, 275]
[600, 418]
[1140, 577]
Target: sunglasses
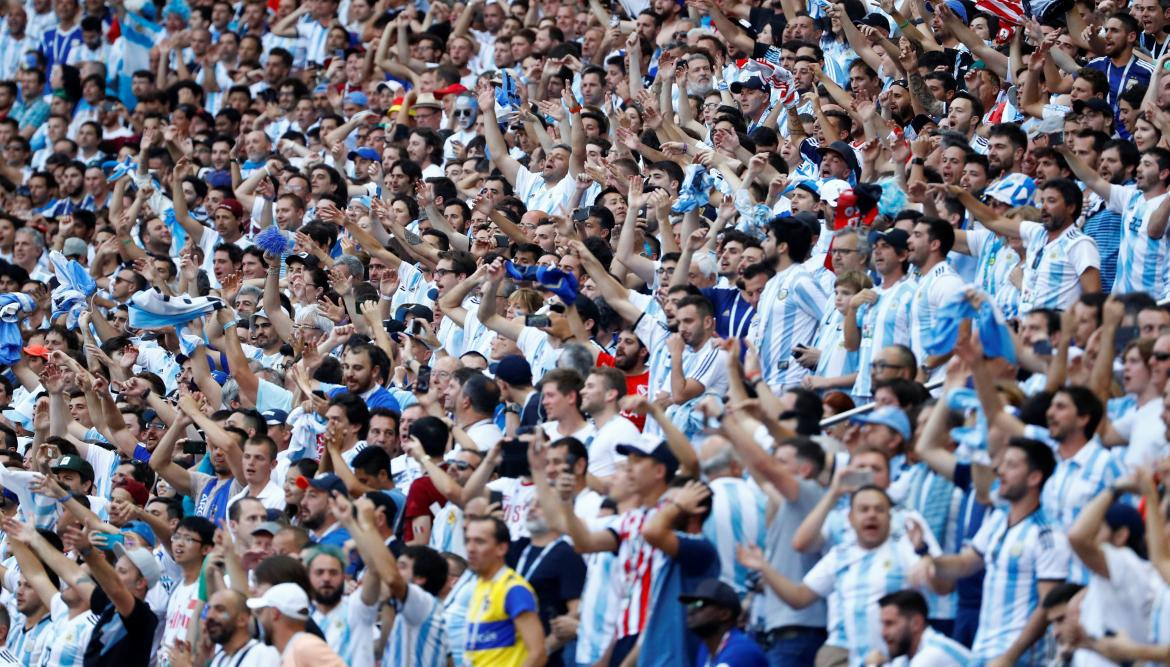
[461, 112]
[1161, 356]
[458, 465]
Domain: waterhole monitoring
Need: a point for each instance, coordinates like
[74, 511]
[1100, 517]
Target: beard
[313, 521]
[328, 597]
[700, 89]
[536, 525]
[218, 633]
[902, 647]
[708, 629]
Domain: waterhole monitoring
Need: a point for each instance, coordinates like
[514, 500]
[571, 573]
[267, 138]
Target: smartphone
[412, 238]
[856, 479]
[1125, 335]
[514, 462]
[52, 452]
[1042, 348]
[113, 539]
[194, 447]
[537, 321]
[798, 351]
[422, 381]
[502, 240]
[496, 498]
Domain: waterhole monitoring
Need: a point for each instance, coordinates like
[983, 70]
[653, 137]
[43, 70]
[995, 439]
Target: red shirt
[640, 385]
[419, 499]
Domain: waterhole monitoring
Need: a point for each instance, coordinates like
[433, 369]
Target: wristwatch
[513, 408]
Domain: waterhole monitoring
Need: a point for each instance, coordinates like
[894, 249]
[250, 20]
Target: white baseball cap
[288, 599]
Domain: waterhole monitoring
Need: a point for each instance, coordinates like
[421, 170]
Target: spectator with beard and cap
[346, 620]
[910, 638]
[712, 614]
[283, 611]
[228, 624]
[315, 515]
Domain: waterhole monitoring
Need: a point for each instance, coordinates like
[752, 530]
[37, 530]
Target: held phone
[112, 540]
[514, 462]
[502, 240]
[412, 238]
[496, 498]
[422, 381]
[537, 321]
[1042, 348]
[194, 447]
[798, 350]
[855, 479]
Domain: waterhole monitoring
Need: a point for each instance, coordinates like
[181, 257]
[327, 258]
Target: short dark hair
[939, 230]
[1072, 195]
[483, 393]
[429, 565]
[808, 450]
[500, 531]
[201, 526]
[796, 235]
[909, 602]
[1039, 455]
[1061, 593]
[577, 449]
[356, 411]
[371, 460]
[432, 433]
[1087, 404]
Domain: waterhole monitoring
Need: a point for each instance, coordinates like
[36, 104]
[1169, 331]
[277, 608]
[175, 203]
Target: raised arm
[795, 595]
[614, 293]
[161, 459]
[497, 147]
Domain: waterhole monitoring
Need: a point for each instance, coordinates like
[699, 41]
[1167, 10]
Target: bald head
[717, 459]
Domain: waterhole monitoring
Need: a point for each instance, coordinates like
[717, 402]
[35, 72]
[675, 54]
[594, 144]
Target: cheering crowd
[634, 333]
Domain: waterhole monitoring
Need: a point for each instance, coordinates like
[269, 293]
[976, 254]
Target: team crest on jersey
[451, 518]
[782, 295]
[1017, 550]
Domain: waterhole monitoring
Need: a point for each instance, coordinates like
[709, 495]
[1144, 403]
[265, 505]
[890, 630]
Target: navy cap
[651, 446]
[515, 370]
[274, 417]
[713, 591]
[329, 483]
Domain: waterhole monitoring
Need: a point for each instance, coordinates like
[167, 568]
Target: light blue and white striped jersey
[936, 650]
[737, 517]
[1053, 269]
[995, 261]
[835, 360]
[598, 606]
[853, 579]
[538, 349]
[1159, 630]
[882, 324]
[313, 36]
[790, 308]
[70, 636]
[707, 364]
[647, 304]
[419, 636]
[447, 530]
[1015, 558]
[1120, 406]
[1143, 262]
[931, 291]
[455, 614]
[349, 629]
[28, 643]
[412, 287]
[1074, 483]
[938, 501]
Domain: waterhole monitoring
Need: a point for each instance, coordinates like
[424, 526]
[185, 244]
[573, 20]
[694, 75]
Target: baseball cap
[305, 258]
[145, 561]
[365, 153]
[270, 527]
[897, 239]
[808, 186]
[274, 417]
[515, 370]
[357, 97]
[1092, 104]
[455, 88]
[831, 190]
[888, 416]
[749, 81]
[651, 446]
[232, 205]
[959, 9]
[259, 314]
[808, 219]
[329, 483]
[713, 591]
[1014, 190]
[37, 351]
[74, 463]
[844, 150]
[414, 310]
[74, 247]
[288, 599]
[141, 529]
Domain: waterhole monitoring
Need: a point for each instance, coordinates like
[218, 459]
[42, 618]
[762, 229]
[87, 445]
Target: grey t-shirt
[773, 611]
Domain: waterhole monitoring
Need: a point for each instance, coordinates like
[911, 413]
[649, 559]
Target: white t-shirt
[603, 456]
[519, 497]
[1146, 433]
[180, 612]
[585, 434]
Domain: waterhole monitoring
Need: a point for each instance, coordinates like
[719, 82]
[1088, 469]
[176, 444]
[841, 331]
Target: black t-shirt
[557, 575]
[118, 641]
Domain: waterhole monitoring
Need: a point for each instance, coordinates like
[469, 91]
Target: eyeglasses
[1160, 356]
[461, 112]
[884, 365]
[157, 425]
[183, 537]
[443, 272]
[459, 465]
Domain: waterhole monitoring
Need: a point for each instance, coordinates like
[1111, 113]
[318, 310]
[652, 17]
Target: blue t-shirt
[665, 630]
[732, 312]
[381, 398]
[738, 650]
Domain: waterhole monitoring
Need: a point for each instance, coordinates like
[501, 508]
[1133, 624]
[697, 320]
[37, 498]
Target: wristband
[903, 25]
[64, 499]
[229, 325]
[576, 109]
[84, 553]
[920, 161]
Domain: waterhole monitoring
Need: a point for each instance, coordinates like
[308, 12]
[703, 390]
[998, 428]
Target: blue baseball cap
[141, 529]
[275, 417]
[329, 483]
[890, 417]
[366, 153]
[357, 97]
